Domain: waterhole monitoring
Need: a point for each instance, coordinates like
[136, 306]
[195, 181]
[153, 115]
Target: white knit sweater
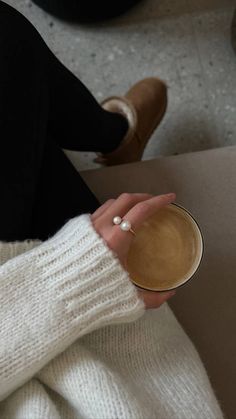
[75, 342]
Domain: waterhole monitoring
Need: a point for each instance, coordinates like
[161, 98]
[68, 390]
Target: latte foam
[166, 250]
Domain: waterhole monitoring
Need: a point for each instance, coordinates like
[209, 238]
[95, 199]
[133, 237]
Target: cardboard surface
[205, 183]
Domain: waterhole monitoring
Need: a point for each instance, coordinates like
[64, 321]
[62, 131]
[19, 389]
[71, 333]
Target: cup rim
[200, 259]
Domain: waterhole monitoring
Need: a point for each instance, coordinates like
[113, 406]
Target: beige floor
[186, 42]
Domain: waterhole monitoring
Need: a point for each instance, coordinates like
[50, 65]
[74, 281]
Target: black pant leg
[27, 158]
[24, 107]
[83, 10]
[61, 194]
[76, 120]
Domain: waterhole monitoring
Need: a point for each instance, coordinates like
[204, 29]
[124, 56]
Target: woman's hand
[135, 208]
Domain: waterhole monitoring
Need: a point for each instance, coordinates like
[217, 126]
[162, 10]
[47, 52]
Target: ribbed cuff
[86, 276]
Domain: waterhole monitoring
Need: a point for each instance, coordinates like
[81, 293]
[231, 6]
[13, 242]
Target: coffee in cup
[166, 251]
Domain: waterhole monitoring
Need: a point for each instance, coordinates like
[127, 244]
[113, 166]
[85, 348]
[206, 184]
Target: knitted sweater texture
[76, 342]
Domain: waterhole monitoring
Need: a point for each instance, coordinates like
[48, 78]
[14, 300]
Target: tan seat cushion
[205, 183]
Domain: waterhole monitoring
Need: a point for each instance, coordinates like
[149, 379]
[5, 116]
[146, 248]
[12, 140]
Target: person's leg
[41, 101]
[61, 194]
[23, 120]
[82, 10]
[25, 147]
[78, 122]
[76, 119]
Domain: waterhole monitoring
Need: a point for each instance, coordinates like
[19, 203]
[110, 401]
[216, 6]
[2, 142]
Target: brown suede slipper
[143, 106]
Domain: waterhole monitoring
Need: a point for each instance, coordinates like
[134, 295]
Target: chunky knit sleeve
[55, 293]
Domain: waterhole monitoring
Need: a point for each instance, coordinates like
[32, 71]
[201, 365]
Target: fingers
[143, 210]
[130, 205]
[102, 209]
[124, 203]
[153, 299]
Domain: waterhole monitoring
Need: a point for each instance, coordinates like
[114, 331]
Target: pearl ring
[125, 225]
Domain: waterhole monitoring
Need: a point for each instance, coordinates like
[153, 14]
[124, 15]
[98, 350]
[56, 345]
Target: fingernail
[171, 195]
